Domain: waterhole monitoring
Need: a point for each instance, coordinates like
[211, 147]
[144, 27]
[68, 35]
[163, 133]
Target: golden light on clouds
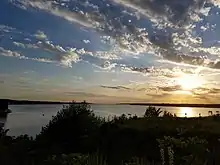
[190, 82]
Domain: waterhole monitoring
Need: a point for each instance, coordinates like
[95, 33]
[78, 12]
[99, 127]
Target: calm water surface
[28, 119]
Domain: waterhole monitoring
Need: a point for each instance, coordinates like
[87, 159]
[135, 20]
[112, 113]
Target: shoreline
[30, 102]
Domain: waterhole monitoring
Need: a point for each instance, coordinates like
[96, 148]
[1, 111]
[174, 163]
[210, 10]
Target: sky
[110, 51]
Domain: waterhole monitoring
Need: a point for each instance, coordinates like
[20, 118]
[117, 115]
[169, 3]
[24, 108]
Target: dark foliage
[73, 129]
[75, 133]
[152, 112]
[168, 114]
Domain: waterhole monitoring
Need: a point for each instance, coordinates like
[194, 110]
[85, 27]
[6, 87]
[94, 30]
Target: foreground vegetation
[75, 136]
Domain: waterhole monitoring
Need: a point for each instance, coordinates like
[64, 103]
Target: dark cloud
[176, 11]
[166, 72]
[179, 57]
[206, 98]
[169, 88]
[154, 71]
[115, 87]
[142, 89]
[173, 55]
[206, 91]
[142, 70]
[196, 92]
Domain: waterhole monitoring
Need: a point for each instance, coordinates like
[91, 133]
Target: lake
[28, 119]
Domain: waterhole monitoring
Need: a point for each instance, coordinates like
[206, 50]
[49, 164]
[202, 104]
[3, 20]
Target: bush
[73, 129]
[168, 114]
[152, 112]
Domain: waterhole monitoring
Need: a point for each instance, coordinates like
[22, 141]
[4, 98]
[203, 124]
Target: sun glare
[189, 82]
[186, 112]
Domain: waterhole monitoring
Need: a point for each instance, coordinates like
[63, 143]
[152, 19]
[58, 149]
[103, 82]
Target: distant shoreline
[174, 105]
[29, 102]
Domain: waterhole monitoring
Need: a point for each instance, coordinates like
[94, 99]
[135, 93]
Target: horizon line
[206, 105]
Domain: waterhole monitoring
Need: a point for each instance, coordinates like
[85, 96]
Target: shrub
[168, 114]
[73, 129]
[152, 112]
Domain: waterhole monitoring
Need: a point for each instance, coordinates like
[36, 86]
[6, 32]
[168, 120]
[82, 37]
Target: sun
[189, 82]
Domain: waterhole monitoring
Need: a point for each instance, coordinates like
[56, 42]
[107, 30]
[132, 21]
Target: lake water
[28, 119]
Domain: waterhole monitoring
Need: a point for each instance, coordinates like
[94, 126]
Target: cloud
[206, 91]
[215, 2]
[19, 44]
[86, 41]
[9, 53]
[50, 47]
[169, 88]
[175, 11]
[41, 35]
[53, 8]
[179, 57]
[115, 87]
[99, 19]
[6, 29]
[170, 35]
[200, 92]
[25, 46]
[64, 56]
[168, 72]
[69, 58]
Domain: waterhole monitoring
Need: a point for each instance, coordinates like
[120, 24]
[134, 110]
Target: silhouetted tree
[152, 112]
[73, 129]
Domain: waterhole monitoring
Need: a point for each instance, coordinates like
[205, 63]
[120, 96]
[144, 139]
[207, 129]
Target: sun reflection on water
[186, 112]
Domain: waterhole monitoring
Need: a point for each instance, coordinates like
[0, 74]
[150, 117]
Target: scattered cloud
[19, 44]
[25, 46]
[180, 17]
[176, 12]
[6, 29]
[172, 31]
[66, 57]
[9, 53]
[86, 41]
[53, 8]
[206, 91]
[41, 35]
